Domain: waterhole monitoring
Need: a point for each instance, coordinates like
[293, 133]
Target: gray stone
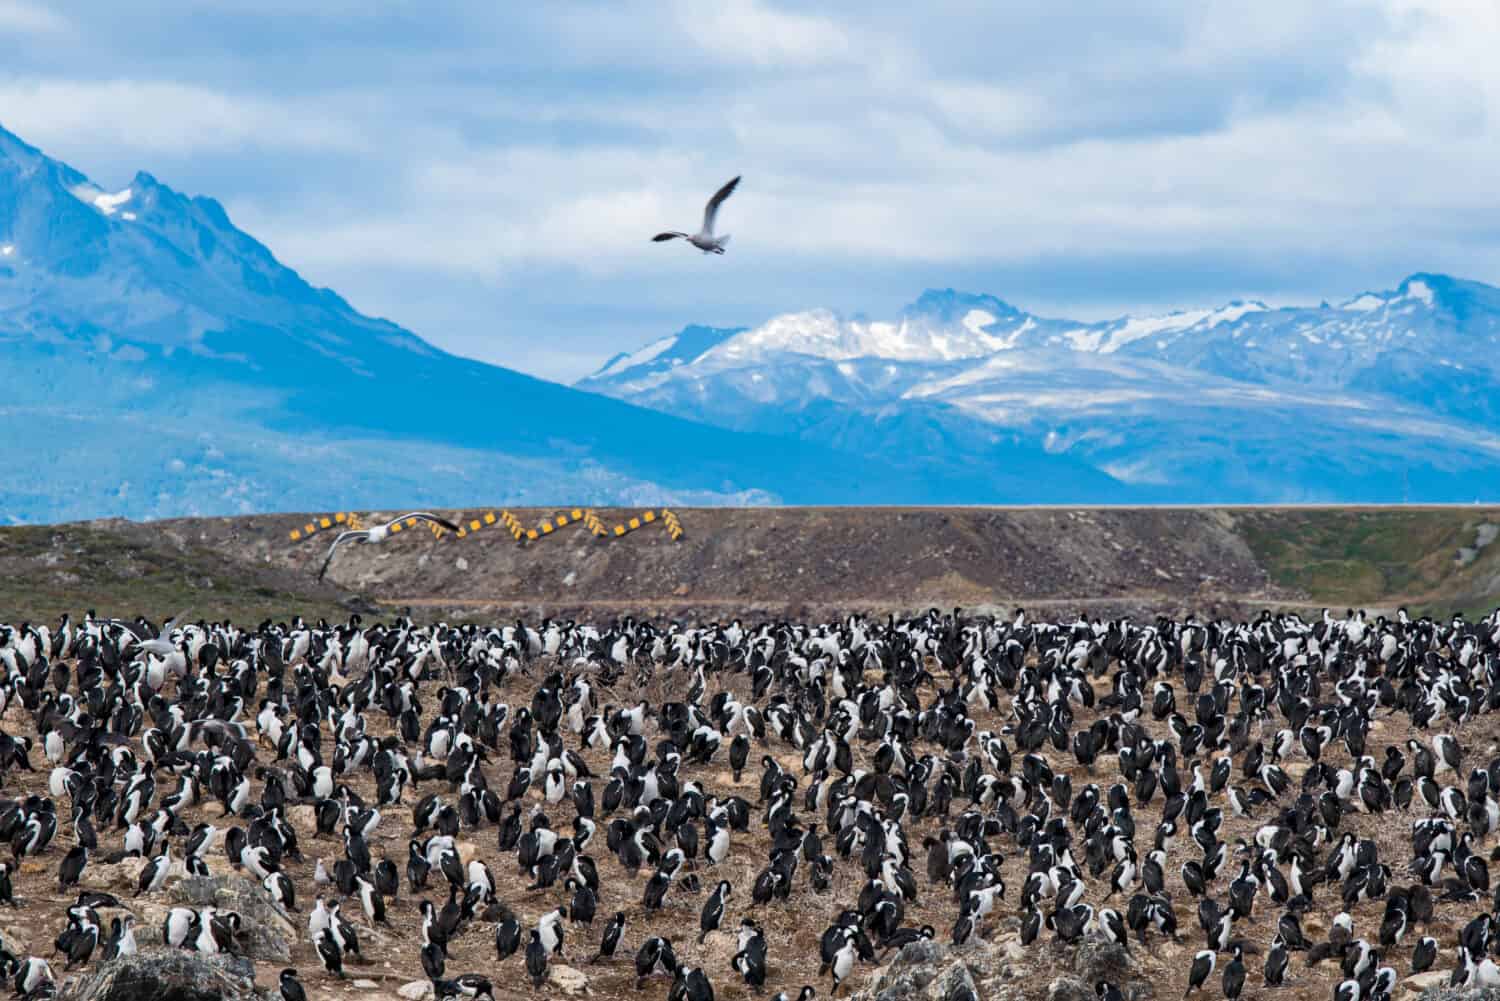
[161, 974]
[923, 950]
[1069, 989]
[1446, 993]
[1432, 978]
[416, 990]
[949, 983]
[893, 986]
[1099, 959]
[267, 931]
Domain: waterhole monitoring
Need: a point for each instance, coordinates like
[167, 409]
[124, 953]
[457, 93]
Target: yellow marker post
[340, 517]
[635, 523]
[619, 529]
[396, 527]
[531, 534]
[474, 525]
[577, 513]
[309, 528]
[649, 517]
[296, 535]
[489, 519]
[325, 523]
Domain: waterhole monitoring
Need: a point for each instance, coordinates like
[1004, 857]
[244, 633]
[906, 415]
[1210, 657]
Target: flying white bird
[378, 533]
[704, 239]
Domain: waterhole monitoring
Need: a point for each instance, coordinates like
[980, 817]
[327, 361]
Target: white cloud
[29, 18]
[164, 117]
[899, 158]
[752, 32]
[484, 143]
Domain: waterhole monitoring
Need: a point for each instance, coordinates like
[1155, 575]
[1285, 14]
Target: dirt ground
[792, 928]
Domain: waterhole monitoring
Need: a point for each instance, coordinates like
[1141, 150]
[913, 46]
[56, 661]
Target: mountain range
[159, 361]
[1388, 396]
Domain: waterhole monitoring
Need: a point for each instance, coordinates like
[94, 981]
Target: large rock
[951, 982]
[267, 932]
[123, 875]
[304, 817]
[1446, 993]
[1099, 959]
[567, 979]
[1069, 989]
[907, 977]
[160, 974]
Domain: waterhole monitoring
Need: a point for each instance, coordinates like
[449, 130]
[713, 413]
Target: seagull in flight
[704, 239]
[160, 644]
[379, 533]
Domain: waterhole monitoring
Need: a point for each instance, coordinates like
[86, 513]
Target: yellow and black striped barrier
[341, 520]
[471, 525]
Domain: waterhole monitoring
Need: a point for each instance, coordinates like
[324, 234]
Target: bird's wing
[660, 237]
[711, 211]
[429, 517]
[342, 538]
[126, 626]
[158, 646]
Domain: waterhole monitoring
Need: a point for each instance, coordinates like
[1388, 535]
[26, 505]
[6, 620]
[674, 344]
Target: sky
[489, 175]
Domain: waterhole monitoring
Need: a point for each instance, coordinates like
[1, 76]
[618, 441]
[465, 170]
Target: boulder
[1069, 989]
[924, 950]
[123, 875]
[1099, 959]
[950, 983]
[267, 931]
[303, 817]
[417, 990]
[157, 973]
[1432, 978]
[1442, 992]
[567, 979]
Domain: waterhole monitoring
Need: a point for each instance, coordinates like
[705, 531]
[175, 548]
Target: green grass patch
[1357, 556]
[48, 570]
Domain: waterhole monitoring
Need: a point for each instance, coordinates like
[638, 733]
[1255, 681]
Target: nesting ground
[750, 564]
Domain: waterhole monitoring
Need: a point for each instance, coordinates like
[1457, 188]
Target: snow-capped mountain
[159, 361]
[1386, 396]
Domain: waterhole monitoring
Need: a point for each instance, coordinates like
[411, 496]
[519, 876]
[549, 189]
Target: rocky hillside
[778, 561]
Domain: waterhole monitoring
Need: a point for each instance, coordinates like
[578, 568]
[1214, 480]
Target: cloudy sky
[489, 174]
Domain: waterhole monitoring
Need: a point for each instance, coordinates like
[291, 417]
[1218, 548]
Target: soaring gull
[378, 533]
[704, 239]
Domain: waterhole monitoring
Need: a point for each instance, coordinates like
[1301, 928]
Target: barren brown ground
[751, 564]
[792, 928]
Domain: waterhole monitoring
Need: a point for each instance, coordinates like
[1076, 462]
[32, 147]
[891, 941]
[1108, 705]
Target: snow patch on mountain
[1325, 402]
[101, 200]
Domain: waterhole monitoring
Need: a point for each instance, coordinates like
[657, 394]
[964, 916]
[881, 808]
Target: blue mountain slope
[1389, 396]
[159, 361]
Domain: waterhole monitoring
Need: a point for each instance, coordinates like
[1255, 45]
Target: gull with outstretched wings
[379, 533]
[704, 239]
